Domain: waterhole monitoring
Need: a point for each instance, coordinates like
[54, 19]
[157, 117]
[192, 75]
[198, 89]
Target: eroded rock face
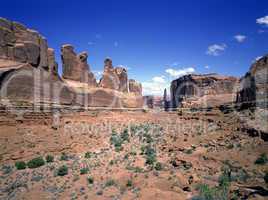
[23, 82]
[29, 73]
[253, 88]
[202, 90]
[123, 79]
[20, 44]
[75, 67]
[109, 78]
[52, 64]
[135, 87]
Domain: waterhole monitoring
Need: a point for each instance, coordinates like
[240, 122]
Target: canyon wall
[253, 87]
[202, 90]
[29, 73]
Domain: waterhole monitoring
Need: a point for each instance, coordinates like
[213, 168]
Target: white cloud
[240, 38]
[155, 86]
[262, 20]
[180, 72]
[159, 79]
[207, 67]
[216, 49]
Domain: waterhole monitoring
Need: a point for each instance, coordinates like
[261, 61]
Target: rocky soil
[187, 154]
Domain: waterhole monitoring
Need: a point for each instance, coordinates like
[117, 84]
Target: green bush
[62, 171]
[88, 154]
[36, 162]
[262, 159]
[20, 165]
[266, 177]
[109, 183]
[90, 180]
[49, 158]
[64, 156]
[158, 166]
[129, 183]
[124, 135]
[84, 170]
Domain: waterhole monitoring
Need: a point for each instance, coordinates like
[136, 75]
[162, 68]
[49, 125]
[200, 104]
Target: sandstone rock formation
[29, 73]
[52, 64]
[153, 102]
[202, 90]
[23, 45]
[253, 88]
[75, 67]
[135, 87]
[109, 78]
[123, 79]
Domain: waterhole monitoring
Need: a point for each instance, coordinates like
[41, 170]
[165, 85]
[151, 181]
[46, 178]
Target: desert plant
[262, 159]
[88, 154]
[90, 180]
[266, 177]
[84, 170]
[62, 171]
[109, 183]
[49, 158]
[36, 162]
[20, 165]
[129, 183]
[64, 156]
[158, 166]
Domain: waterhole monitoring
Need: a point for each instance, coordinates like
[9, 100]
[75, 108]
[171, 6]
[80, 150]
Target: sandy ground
[130, 155]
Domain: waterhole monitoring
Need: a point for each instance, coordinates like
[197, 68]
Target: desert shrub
[220, 192]
[64, 156]
[188, 151]
[206, 193]
[266, 177]
[262, 159]
[88, 154]
[109, 183]
[90, 180]
[84, 170]
[129, 183]
[116, 141]
[6, 169]
[36, 162]
[150, 155]
[62, 171]
[124, 135]
[49, 158]
[158, 166]
[20, 165]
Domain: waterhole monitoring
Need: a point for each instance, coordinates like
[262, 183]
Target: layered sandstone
[29, 73]
[109, 78]
[75, 66]
[253, 88]
[135, 87]
[202, 90]
[21, 44]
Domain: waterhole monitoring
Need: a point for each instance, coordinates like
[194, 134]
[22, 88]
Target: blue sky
[157, 40]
